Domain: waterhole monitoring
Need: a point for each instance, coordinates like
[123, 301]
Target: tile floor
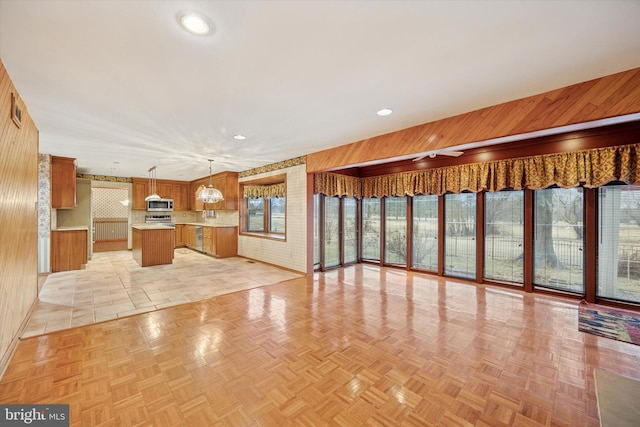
[113, 285]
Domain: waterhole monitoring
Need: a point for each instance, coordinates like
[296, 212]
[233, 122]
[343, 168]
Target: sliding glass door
[371, 229]
[395, 230]
[424, 247]
[460, 235]
[503, 236]
[350, 224]
[619, 243]
[335, 231]
[559, 239]
[331, 232]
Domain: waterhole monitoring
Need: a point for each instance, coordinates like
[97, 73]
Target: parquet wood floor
[356, 346]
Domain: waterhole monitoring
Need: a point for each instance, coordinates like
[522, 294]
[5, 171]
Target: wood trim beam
[606, 97]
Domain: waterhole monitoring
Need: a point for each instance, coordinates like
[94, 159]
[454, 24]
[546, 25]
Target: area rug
[618, 399]
[614, 323]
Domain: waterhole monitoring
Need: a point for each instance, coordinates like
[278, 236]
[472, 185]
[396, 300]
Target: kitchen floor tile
[113, 285]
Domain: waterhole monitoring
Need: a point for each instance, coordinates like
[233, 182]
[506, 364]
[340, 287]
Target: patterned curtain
[590, 168]
[333, 184]
[266, 191]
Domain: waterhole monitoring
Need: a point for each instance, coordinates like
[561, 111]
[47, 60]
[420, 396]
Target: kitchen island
[152, 244]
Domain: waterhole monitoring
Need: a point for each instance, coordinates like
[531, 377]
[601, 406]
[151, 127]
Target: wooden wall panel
[610, 96]
[18, 216]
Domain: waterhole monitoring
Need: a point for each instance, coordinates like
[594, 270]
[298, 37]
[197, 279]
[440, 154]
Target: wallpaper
[44, 195]
[110, 202]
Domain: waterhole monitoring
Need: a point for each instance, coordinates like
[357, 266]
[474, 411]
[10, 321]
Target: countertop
[152, 226]
[72, 228]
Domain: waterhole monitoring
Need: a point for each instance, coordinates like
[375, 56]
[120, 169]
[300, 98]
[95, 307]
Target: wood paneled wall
[18, 216]
[610, 96]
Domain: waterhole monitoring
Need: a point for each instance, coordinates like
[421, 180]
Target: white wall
[291, 253]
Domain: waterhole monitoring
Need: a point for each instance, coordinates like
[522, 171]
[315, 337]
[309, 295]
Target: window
[395, 239]
[460, 235]
[503, 239]
[619, 242]
[265, 214]
[264, 207]
[316, 230]
[425, 233]
[255, 217]
[371, 229]
[350, 219]
[559, 239]
[276, 214]
[337, 218]
[331, 231]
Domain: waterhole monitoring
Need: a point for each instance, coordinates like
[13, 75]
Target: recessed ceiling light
[239, 137]
[384, 112]
[195, 23]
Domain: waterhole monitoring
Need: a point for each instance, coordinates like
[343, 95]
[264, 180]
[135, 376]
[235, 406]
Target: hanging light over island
[152, 185]
[210, 194]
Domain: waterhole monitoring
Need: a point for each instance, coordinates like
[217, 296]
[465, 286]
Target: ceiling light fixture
[152, 185]
[239, 137]
[210, 194]
[195, 23]
[384, 112]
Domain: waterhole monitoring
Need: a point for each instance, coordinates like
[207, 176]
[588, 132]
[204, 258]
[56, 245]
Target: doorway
[110, 218]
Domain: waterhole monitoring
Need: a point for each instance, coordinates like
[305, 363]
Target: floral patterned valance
[337, 185]
[590, 168]
[266, 191]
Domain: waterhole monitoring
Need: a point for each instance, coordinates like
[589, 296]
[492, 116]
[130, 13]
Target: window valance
[266, 191]
[590, 168]
[333, 184]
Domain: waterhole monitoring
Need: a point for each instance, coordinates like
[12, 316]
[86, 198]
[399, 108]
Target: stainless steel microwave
[160, 205]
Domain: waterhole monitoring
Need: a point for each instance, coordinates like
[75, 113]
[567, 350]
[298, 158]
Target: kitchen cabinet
[163, 190]
[220, 241]
[176, 190]
[207, 234]
[180, 196]
[63, 182]
[194, 203]
[190, 236]
[226, 182]
[68, 249]
[140, 192]
[180, 241]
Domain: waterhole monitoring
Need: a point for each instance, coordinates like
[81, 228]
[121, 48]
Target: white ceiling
[121, 87]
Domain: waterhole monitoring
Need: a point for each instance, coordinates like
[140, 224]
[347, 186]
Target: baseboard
[273, 265]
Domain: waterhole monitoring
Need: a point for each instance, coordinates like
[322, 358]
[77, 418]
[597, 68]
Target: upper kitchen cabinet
[226, 182]
[164, 190]
[63, 182]
[176, 190]
[139, 193]
[180, 196]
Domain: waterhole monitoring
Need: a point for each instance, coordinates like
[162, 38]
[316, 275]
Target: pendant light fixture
[152, 185]
[210, 194]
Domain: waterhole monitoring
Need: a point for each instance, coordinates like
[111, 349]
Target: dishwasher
[199, 237]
